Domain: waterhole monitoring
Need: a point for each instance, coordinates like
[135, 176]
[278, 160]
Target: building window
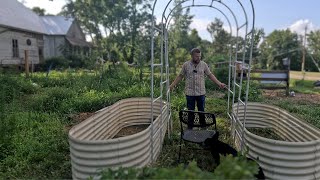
[40, 52]
[15, 48]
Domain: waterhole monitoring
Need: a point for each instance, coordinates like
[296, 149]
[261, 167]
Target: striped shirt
[194, 75]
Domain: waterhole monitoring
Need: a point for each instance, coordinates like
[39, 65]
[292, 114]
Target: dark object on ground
[217, 147]
[317, 83]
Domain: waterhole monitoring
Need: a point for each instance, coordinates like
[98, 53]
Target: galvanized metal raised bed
[297, 156]
[93, 146]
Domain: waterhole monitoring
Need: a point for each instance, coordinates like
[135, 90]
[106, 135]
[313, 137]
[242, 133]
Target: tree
[178, 34]
[114, 26]
[39, 11]
[194, 39]
[258, 34]
[215, 27]
[221, 39]
[88, 14]
[278, 45]
[314, 43]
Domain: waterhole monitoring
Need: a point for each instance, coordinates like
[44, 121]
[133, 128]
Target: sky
[269, 14]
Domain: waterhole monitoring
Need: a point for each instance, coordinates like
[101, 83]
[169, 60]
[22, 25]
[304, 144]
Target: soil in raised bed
[131, 130]
[266, 133]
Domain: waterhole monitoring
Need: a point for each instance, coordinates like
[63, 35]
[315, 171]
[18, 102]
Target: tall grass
[34, 116]
[35, 111]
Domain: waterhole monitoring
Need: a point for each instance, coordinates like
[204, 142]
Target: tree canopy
[121, 30]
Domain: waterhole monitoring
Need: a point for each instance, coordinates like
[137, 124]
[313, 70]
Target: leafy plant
[191, 171]
[236, 168]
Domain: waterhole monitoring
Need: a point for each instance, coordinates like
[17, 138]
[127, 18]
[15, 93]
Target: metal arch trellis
[163, 61]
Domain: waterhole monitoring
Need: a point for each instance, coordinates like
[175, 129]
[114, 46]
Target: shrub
[235, 168]
[254, 93]
[230, 168]
[190, 171]
[51, 99]
[14, 86]
[55, 63]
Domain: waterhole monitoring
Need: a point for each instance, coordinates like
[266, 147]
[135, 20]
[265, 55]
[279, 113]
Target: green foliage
[230, 168]
[236, 168]
[56, 63]
[51, 99]
[33, 139]
[300, 107]
[278, 45]
[303, 86]
[69, 61]
[214, 58]
[39, 11]
[14, 86]
[191, 171]
[38, 147]
[79, 61]
[254, 93]
[304, 110]
[222, 74]
[314, 45]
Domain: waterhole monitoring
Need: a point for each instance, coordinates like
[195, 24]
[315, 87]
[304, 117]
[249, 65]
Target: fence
[275, 79]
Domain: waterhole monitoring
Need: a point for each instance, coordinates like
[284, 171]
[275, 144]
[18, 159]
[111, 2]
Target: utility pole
[304, 49]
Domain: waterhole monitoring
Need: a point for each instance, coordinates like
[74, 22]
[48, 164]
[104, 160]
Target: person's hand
[222, 85]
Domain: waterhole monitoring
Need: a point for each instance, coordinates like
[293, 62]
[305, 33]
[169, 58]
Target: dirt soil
[78, 118]
[280, 95]
[81, 116]
[131, 130]
[266, 132]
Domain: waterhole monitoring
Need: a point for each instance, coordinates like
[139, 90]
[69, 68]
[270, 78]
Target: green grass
[304, 86]
[34, 116]
[310, 112]
[34, 119]
[307, 75]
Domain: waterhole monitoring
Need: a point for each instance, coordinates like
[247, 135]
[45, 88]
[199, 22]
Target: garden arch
[280, 159]
[244, 24]
[93, 145]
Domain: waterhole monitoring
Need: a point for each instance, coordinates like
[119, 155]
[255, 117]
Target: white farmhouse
[42, 36]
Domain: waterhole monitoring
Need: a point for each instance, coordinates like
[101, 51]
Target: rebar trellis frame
[163, 60]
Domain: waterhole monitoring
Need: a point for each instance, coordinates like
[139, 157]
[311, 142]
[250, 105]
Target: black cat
[217, 147]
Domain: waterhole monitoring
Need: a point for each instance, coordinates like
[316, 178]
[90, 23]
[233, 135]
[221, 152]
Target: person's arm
[176, 81]
[215, 80]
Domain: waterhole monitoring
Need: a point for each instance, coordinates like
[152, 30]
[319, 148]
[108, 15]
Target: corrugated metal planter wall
[93, 145]
[297, 156]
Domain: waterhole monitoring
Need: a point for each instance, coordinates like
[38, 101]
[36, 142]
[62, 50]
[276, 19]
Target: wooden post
[288, 81]
[26, 63]
[304, 52]
[32, 68]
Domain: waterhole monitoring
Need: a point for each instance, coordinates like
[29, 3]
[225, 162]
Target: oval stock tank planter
[297, 156]
[94, 145]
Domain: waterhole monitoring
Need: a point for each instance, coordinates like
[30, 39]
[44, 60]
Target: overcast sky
[270, 14]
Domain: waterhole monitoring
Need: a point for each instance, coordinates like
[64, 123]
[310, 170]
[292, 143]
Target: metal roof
[15, 15]
[56, 25]
[78, 42]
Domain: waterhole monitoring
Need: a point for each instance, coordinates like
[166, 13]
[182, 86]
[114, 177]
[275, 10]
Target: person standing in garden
[194, 72]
